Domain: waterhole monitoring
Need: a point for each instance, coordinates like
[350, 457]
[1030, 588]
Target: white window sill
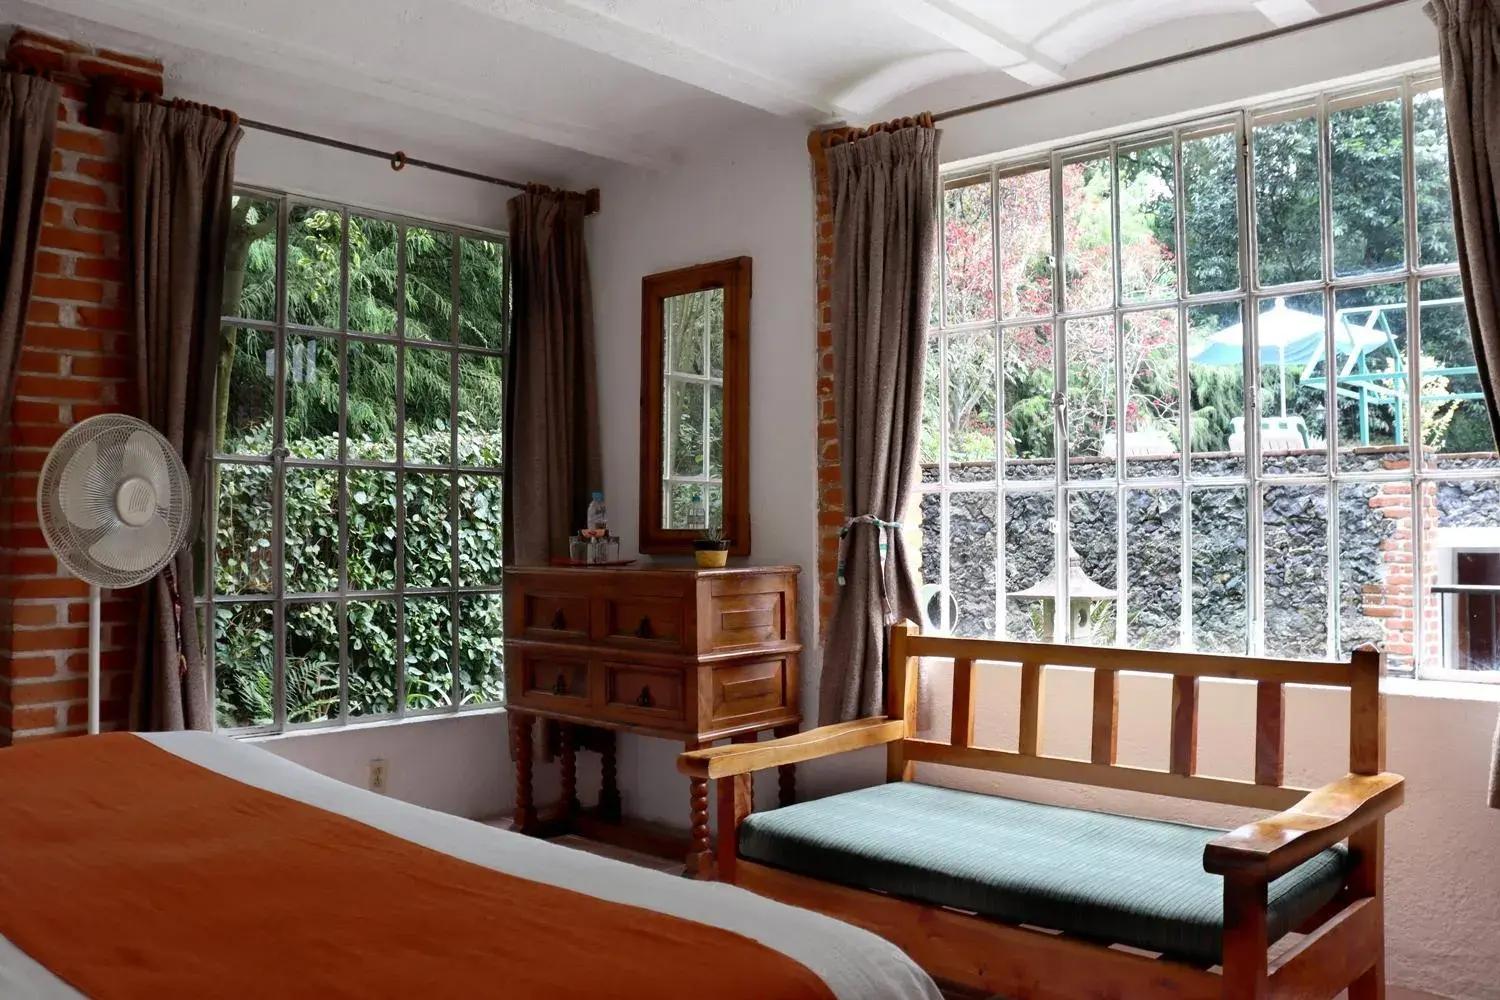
[1411, 687]
[361, 727]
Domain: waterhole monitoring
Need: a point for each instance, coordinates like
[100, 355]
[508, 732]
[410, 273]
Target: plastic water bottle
[598, 517]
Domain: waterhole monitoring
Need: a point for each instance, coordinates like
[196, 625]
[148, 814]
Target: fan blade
[133, 551]
[145, 458]
[77, 495]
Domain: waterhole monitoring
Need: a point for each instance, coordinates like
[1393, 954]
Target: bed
[76, 855]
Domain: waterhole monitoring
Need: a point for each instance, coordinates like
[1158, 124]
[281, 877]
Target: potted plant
[712, 550]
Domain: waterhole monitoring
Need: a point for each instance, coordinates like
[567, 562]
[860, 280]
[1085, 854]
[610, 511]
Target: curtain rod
[399, 160]
[1207, 50]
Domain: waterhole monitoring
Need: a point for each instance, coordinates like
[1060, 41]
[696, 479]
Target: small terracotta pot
[711, 558]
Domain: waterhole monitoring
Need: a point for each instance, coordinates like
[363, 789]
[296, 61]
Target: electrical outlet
[378, 776]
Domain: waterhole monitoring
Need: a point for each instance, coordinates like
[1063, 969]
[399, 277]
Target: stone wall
[1376, 592]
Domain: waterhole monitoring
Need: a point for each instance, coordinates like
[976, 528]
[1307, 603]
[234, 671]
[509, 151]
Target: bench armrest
[744, 758]
[1271, 847]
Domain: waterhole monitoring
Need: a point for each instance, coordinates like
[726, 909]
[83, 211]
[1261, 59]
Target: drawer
[633, 689]
[739, 618]
[553, 614]
[747, 689]
[644, 621]
[558, 680]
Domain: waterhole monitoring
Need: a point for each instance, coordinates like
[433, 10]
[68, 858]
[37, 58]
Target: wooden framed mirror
[695, 406]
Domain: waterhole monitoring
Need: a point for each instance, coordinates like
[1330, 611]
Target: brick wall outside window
[76, 361]
[830, 473]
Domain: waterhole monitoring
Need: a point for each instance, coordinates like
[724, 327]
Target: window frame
[279, 462]
[1251, 295]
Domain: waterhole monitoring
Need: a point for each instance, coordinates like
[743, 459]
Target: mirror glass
[693, 411]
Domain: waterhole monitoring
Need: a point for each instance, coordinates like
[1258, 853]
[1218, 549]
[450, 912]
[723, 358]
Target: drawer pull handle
[644, 699]
[560, 686]
[643, 630]
[559, 620]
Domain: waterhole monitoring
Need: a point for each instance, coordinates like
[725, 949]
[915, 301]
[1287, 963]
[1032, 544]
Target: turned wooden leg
[700, 857]
[521, 726]
[609, 787]
[566, 740]
[786, 774]
[1367, 879]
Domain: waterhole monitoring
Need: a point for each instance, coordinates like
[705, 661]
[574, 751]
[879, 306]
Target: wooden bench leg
[1368, 879]
[786, 774]
[700, 859]
[1246, 976]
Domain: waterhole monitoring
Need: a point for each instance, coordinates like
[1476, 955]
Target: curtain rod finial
[591, 201]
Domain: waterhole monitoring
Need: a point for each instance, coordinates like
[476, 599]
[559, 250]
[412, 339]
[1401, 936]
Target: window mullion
[1059, 403]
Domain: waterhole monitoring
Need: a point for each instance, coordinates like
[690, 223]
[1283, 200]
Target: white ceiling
[560, 89]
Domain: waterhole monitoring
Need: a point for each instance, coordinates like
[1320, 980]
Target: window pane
[1030, 557]
[372, 390]
[311, 427]
[1435, 234]
[373, 246]
[686, 319]
[1374, 396]
[311, 554]
[245, 420]
[1030, 437]
[1456, 430]
[1210, 180]
[481, 405]
[973, 536]
[1153, 566]
[1148, 223]
[315, 245]
[429, 653]
[1026, 261]
[429, 536]
[1088, 239]
[243, 530]
[1221, 578]
[243, 652]
[481, 293]
[972, 406]
[372, 529]
[372, 658]
[1153, 401]
[715, 432]
[1292, 336]
[1288, 200]
[312, 662]
[685, 429]
[1090, 346]
[937, 610]
[250, 260]
[481, 648]
[969, 247]
[1376, 571]
[1093, 535]
[429, 284]
[1369, 228]
[1216, 384]
[428, 388]
[1295, 570]
[716, 333]
[687, 508]
[1461, 566]
[932, 408]
[479, 507]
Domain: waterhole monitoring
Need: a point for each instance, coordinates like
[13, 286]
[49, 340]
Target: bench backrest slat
[1361, 675]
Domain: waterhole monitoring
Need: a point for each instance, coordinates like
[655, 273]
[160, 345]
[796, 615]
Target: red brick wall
[75, 363]
[830, 481]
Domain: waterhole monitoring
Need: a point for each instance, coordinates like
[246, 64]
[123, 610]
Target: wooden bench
[1342, 944]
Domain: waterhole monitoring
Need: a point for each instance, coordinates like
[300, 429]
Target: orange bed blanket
[132, 874]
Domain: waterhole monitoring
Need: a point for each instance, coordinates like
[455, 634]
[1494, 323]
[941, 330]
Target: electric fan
[113, 504]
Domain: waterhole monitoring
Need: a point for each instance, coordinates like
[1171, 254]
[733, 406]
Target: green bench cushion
[1113, 879]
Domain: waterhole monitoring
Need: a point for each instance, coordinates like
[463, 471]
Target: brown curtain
[884, 189]
[1469, 47]
[28, 123]
[179, 175]
[552, 410]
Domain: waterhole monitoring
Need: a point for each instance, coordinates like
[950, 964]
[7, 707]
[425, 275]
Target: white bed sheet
[855, 964]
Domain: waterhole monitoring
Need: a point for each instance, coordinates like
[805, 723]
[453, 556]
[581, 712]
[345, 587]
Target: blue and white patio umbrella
[1287, 336]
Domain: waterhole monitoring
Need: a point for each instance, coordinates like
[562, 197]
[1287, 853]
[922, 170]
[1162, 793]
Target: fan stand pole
[93, 659]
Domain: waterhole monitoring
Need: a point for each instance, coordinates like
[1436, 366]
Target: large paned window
[352, 556]
[1211, 387]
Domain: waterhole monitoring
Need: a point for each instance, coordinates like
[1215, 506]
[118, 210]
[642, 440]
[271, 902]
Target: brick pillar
[76, 362]
[830, 473]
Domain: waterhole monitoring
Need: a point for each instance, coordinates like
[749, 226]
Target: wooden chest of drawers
[675, 652]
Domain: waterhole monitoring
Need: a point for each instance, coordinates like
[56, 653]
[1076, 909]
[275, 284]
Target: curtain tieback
[882, 526]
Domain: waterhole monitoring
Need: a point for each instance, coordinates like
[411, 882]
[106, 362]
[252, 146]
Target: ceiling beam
[592, 27]
[978, 36]
[1284, 12]
[286, 57]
